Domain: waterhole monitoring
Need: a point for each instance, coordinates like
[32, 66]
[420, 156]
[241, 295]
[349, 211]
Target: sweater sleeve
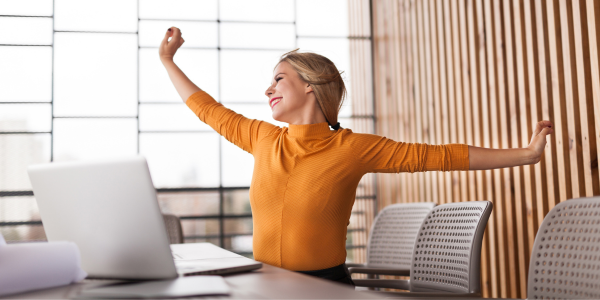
[241, 131]
[383, 155]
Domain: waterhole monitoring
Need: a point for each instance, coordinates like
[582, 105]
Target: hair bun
[336, 126]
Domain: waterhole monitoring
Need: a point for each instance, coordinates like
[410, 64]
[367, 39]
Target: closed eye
[277, 79]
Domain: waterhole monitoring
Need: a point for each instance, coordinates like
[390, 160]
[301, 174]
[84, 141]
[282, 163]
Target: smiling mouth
[274, 101]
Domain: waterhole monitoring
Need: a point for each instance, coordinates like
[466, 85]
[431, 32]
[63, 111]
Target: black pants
[337, 274]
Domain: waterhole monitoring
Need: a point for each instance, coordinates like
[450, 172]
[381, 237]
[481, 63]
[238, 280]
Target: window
[83, 80]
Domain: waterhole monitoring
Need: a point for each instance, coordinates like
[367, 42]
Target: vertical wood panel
[466, 91]
[556, 102]
[436, 98]
[381, 90]
[536, 202]
[425, 91]
[581, 89]
[573, 142]
[423, 125]
[549, 162]
[429, 132]
[411, 89]
[395, 132]
[589, 103]
[497, 259]
[483, 73]
[474, 52]
[460, 126]
[362, 102]
[507, 199]
[525, 207]
[535, 113]
[452, 119]
[513, 115]
[444, 95]
[487, 188]
[404, 95]
[592, 20]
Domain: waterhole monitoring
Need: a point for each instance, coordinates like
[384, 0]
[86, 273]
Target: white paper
[180, 287]
[197, 251]
[32, 266]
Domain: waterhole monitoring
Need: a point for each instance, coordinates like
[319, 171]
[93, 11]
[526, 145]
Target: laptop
[110, 210]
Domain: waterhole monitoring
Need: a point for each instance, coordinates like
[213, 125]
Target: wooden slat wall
[361, 97]
[483, 72]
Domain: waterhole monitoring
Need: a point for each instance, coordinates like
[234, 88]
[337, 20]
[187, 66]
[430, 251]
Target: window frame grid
[221, 189]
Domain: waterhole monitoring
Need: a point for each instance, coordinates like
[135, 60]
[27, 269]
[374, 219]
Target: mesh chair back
[393, 234]
[565, 262]
[173, 226]
[447, 254]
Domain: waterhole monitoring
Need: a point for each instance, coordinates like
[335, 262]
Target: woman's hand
[538, 140]
[167, 48]
[184, 86]
[487, 159]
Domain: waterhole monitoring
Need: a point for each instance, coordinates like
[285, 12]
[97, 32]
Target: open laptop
[110, 210]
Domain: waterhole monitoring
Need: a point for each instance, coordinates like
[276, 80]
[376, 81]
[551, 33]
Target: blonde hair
[324, 78]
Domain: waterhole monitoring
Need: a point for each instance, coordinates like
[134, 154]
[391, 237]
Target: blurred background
[83, 80]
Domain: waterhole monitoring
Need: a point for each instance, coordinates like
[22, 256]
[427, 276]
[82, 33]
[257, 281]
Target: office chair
[565, 262]
[392, 238]
[447, 255]
[173, 226]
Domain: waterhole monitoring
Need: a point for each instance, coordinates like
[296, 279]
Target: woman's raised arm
[486, 159]
[184, 86]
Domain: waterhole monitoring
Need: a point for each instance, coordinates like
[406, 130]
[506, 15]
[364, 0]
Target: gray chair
[173, 226]
[392, 238]
[565, 262]
[446, 259]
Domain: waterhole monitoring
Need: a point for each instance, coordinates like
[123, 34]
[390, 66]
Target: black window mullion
[138, 78]
[18, 16]
[221, 191]
[52, 85]
[26, 45]
[295, 25]
[25, 132]
[373, 95]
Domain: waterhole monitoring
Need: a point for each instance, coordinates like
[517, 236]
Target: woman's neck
[312, 115]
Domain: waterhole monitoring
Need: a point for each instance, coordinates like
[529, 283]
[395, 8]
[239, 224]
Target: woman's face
[288, 94]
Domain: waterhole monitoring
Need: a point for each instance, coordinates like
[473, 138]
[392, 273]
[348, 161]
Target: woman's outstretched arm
[184, 86]
[243, 132]
[486, 159]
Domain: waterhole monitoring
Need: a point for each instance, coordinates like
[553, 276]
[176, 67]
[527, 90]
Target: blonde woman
[305, 175]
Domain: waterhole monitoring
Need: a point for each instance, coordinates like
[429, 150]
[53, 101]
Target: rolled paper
[31, 266]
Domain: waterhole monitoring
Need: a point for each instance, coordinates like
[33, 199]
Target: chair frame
[433, 287]
[565, 261]
[388, 267]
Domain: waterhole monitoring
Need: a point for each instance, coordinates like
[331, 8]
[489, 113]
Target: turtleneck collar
[318, 130]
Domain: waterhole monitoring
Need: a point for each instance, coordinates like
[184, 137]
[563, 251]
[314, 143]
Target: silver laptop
[110, 210]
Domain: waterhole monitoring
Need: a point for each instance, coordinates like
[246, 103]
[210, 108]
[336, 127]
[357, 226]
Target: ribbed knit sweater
[305, 179]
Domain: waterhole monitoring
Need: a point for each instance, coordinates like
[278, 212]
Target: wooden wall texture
[483, 72]
[360, 83]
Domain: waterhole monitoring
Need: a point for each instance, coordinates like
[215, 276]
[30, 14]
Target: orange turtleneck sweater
[305, 179]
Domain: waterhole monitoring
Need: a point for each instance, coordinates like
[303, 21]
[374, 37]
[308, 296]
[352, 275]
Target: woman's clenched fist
[167, 48]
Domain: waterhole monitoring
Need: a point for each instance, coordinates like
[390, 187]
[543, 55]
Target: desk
[266, 283]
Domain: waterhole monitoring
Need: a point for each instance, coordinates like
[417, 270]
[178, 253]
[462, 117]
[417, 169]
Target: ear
[308, 89]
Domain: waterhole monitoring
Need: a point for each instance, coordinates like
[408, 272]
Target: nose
[269, 92]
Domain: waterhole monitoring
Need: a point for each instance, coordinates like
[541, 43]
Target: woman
[305, 175]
